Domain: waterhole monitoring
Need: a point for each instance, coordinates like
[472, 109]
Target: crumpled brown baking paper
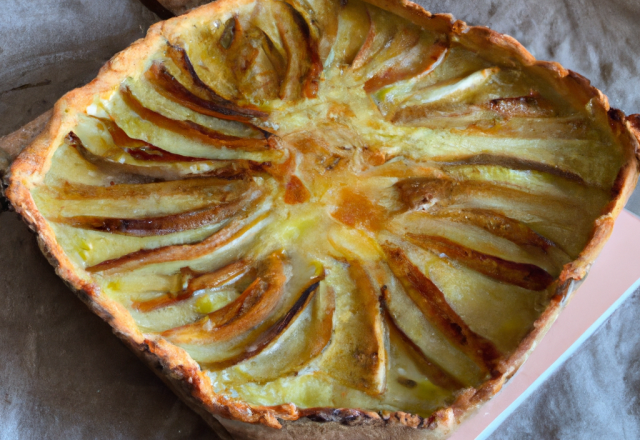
[63, 375]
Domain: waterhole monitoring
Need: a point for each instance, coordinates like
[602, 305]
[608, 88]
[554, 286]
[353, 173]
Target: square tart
[328, 219]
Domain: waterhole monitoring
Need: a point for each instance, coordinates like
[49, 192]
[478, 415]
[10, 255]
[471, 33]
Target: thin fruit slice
[234, 230]
[269, 336]
[427, 366]
[146, 226]
[430, 300]
[220, 107]
[190, 130]
[250, 309]
[220, 277]
[524, 275]
[357, 357]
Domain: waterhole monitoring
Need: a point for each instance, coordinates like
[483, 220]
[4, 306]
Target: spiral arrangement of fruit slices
[328, 205]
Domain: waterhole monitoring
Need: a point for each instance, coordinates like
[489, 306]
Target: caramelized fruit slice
[184, 137]
[357, 357]
[269, 336]
[301, 340]
[419, 59]
[105, 145]
[232, 231]
[248, 310]
[430, 300]
[189, 129]
[168, 224]
[353, 28]
[427, 366]
[322, 21]
[211, 280]
[524, 275]
[422, 103]
[302, 57]
[214, 103]
[555, 218]
[170, 87]
[500, 226]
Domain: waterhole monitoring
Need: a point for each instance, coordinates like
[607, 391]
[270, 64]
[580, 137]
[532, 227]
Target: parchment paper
[63, 375]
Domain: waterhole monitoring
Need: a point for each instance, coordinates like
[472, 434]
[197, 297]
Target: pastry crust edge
[183, 374]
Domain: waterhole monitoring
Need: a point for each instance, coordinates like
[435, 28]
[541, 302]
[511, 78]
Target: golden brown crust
[183, 373]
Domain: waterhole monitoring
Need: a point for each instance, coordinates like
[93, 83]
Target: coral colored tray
[613, 277]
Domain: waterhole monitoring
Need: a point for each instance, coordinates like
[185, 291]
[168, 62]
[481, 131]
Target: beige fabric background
[62, 373]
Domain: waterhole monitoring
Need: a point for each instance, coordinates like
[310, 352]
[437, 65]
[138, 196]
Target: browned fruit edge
[183, 373]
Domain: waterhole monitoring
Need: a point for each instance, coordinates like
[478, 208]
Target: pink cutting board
[613, 277]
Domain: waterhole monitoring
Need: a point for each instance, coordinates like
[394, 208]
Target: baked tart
[321, 219]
